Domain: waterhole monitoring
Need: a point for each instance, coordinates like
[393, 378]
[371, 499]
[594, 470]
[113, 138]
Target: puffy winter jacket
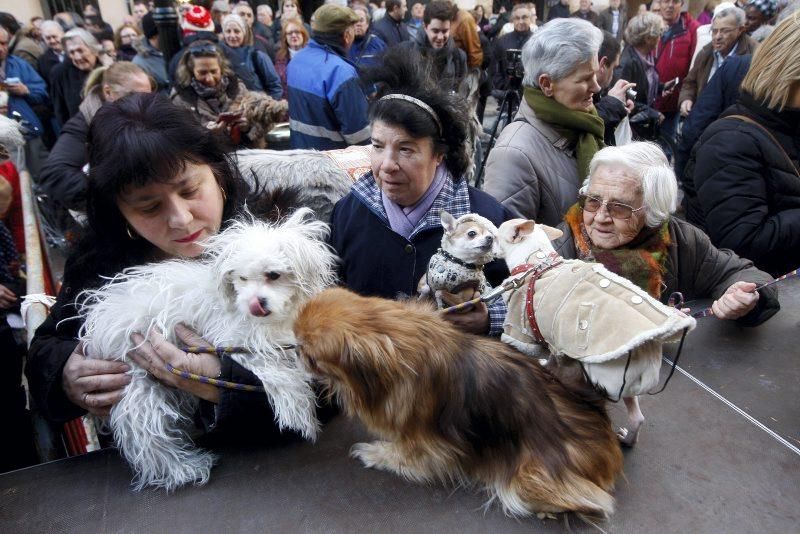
[532, 170]
[747, 190]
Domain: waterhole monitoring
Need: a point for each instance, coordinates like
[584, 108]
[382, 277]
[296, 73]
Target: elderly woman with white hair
[253, 67]
[67, 79]
[85, 54]
[624, 220]
[542, 157]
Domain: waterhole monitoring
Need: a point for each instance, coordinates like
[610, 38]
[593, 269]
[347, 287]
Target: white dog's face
[264, 287]
[469, 238]
[267, 271]
[519, 238]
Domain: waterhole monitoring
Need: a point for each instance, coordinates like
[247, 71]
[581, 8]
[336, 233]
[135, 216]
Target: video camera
[514, 68]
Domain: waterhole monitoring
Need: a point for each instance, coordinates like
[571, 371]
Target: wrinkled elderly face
[614, 183]
[724, 32]
[575, 90]
[52, 35]
[522, 19]
[83, 57]
[753, 19]
[403, 166]
[438, 32]
[264, 16]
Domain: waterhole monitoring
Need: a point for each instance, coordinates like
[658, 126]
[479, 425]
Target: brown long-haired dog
[456, 407]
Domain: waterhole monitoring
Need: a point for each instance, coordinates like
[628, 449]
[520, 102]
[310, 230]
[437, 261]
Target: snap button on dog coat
[636, 299]
[605, 282]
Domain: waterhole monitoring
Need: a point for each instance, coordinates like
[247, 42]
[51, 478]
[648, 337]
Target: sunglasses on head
[203, 50]
[617, 210]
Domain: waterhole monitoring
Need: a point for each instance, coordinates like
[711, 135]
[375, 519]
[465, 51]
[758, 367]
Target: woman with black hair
[157, 187]
[388, 227]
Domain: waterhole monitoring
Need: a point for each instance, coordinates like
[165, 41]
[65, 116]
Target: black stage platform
[719, 453]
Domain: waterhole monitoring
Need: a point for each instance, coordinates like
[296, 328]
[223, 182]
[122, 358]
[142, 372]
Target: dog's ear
[551, 233]
[227, 290]
[514, 231]
[448, 222]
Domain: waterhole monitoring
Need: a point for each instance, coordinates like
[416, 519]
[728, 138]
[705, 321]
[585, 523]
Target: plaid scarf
[641, 261]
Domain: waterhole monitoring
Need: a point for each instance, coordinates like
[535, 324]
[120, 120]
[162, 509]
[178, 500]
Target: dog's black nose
[489, 239]
[263, 302]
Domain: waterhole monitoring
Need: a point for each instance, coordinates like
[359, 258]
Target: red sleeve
[14, 217]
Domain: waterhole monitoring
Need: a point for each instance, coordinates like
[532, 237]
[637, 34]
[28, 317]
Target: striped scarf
[641, 261]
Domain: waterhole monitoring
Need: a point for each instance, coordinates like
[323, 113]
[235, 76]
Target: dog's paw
[627, 438]
[370, 454]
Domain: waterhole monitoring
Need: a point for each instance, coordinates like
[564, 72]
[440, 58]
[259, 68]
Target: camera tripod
[508, 108]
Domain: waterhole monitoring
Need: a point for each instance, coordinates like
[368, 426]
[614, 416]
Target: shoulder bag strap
[748, 120]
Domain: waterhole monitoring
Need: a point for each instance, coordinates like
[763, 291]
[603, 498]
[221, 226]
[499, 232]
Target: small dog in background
[456, 407]
[457, 267]
[585, 316]
[245, 291]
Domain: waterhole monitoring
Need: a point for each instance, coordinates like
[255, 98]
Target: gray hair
[649, 164]
[264, 7]
[558, 48]
[731, 12]
[642, 27]
[83, 35]
[51, 24]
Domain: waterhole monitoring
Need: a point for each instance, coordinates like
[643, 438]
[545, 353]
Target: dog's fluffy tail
[531, 491]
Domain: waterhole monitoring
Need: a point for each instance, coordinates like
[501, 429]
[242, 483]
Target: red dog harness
[535, 271]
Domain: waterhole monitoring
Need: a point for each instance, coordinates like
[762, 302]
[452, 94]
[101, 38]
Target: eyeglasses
[294, 32]
[617, 210]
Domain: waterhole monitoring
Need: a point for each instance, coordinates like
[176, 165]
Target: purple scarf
[403, 220]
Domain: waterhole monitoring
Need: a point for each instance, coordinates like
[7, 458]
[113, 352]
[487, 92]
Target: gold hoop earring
[224, 194]
[130, 232]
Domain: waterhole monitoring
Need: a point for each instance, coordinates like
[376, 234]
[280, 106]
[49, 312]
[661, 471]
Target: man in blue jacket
[327, 108]
[25, 88]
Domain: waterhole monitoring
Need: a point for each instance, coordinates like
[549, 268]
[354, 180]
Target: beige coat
[589, 314]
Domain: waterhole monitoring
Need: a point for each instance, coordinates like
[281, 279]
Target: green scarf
[583, 129]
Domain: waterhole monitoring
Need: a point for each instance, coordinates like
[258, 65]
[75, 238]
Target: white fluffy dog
[245, 291]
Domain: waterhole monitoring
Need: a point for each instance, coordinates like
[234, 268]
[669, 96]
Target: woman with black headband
[388, 227]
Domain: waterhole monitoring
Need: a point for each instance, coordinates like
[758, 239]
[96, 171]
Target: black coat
[632, 69]
[62, 177]
[390, 31]
[612, 111]
[47, 61]
[747, 192]
[65, 90]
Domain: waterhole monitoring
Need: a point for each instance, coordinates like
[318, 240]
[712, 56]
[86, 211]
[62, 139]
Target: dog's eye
[472, 233]
[243, 278]
[272, 275]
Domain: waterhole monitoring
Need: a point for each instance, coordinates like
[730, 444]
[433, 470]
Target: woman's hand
[153, 355]
[737, 301]
[94, 385]
[474, 319]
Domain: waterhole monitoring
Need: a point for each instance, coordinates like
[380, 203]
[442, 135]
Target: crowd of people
[134, 150]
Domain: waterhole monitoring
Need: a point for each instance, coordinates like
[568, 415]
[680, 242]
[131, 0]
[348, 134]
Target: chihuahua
[457, 267]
